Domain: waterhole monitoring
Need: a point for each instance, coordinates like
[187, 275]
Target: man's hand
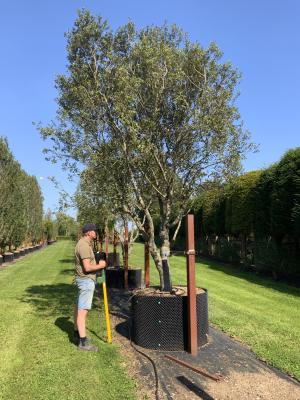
[88, 267]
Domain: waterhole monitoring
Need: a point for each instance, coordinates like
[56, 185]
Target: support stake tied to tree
[191, 286]
[147, 264]
[126, 256]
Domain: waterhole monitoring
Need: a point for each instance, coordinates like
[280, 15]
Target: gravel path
[244, 376]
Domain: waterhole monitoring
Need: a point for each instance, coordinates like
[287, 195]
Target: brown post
[115, 249]
[106, 243]
[191, 286]
[126, 257]
[147, 265]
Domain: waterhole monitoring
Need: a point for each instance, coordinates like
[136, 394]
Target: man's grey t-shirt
[84, 250]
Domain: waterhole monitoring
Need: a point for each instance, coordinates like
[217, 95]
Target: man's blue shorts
[86, 288]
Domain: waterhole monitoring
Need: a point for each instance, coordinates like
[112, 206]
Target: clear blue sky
[261, 39]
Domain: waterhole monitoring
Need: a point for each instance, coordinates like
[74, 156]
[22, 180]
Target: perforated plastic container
[161, 322]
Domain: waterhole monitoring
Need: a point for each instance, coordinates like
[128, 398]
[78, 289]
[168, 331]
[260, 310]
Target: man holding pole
[85, 279]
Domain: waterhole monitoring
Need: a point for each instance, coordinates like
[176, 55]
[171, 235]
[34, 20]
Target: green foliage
[212, 210]
[148, 113]
[66, 225]
[241, 204]
[20, 202]
[49, 226]
[285, 200]
[91, 202]
[263, 205]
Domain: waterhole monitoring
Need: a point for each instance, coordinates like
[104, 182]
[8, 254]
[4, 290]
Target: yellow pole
[107, 319]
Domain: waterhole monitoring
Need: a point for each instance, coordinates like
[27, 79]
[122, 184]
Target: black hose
[128, 318]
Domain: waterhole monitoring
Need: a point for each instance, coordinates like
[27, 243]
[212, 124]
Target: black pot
[8, 257]
[160, 322]
[1, 260]
[110, 260]
[115, 278]
[16, 254]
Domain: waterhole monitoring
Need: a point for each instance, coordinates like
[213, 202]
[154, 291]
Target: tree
[34, 210]
[49, 225]
[8, 169]
[152, 115]
[21, 202]
[66, 225]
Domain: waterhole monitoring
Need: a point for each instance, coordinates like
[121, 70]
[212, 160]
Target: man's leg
[86, 290]
[81, 320]
[75, 317]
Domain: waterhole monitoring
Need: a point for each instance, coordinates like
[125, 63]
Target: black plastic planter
[22, 252]
[8, 257]
[115, 278]
[16, 254]
[1, 260]
[160, 322]
[110, 261]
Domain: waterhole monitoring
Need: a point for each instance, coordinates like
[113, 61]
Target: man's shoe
[76, 340]
[87, 347]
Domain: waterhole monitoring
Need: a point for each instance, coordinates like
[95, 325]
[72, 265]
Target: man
[85, 279]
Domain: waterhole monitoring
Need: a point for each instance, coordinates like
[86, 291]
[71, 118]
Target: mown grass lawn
[37, 359]
[260, 312]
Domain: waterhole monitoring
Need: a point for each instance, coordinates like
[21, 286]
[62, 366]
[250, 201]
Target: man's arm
[88, 267]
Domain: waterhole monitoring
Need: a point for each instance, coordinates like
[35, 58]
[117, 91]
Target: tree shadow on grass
[66, 326]
[54, 300]
[68, 271]
[51, 299]
[250, 276]
[67, 261]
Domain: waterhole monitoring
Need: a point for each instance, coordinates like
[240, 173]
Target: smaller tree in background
[66, 225]
[49, 225]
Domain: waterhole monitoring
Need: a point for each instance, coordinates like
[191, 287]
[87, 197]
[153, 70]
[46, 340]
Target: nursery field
[38, 360]
[258, 311]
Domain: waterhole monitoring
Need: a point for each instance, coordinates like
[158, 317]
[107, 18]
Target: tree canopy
[151, 115]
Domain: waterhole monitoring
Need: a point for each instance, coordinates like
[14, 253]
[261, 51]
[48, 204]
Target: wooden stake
[126, 256]
[191, 286]
[115, 249]
[147, 265]
[106, 243]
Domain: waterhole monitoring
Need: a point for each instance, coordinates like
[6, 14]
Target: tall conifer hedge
[261, 207]
[21, 202]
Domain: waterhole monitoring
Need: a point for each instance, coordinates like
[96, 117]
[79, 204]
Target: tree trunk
[244, 248]
[165, 253]
[155, 254]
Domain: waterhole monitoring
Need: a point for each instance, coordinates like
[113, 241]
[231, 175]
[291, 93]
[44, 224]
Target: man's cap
[89, 227]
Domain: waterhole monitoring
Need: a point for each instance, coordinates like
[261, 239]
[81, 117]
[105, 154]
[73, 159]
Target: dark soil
[244, 376]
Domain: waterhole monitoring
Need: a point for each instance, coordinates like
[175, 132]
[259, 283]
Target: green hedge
[21, 202]
[258, 207]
